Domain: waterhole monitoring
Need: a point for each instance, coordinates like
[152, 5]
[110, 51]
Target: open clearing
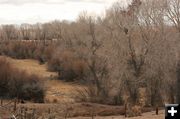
[60, 95]
[57, 90]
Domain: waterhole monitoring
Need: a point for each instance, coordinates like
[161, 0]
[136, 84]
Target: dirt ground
[149, 115]
[60, 96]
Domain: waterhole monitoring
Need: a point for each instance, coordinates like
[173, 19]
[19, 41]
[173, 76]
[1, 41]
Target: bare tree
[173, 15]
[140, 38]
[122, 26]
[25, 31]
[90, 50]
[9, 32]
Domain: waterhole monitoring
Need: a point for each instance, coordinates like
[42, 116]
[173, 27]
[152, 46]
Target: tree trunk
[178, 83]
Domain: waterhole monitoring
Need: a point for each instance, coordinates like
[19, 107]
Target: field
[56, 89]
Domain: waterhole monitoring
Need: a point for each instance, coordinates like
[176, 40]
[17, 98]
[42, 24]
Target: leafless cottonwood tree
[9, 32]
[96, 64]
[141, 38]
[123, 26]
[25, 30]
[57, 29]
[38, 31]
[154, 31]
[90, 51]
[173, 15]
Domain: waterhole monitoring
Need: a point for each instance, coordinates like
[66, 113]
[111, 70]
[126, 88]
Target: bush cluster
[26, 50]
[18, 84]
[68, 65]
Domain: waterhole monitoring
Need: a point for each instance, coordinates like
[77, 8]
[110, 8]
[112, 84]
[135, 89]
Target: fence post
[21, 113]
[15, 104]
[49, 111]
[125, 109]
[92, 113]
[33, 113]
[157, 110]
[25, 112]
[1, 102]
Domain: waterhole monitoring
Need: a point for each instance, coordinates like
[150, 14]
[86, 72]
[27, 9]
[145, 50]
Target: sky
[33, 11]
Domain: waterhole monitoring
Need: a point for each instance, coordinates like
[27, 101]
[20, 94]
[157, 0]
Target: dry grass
[149, 115]
[57, 91]
[85, 111]
[33, 67]
[60, 91]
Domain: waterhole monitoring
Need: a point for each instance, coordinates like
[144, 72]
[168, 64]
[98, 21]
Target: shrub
[5, 70]
[19, 84]
[90, 94]
[27, 50]
[68, 65]
[33, 89]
